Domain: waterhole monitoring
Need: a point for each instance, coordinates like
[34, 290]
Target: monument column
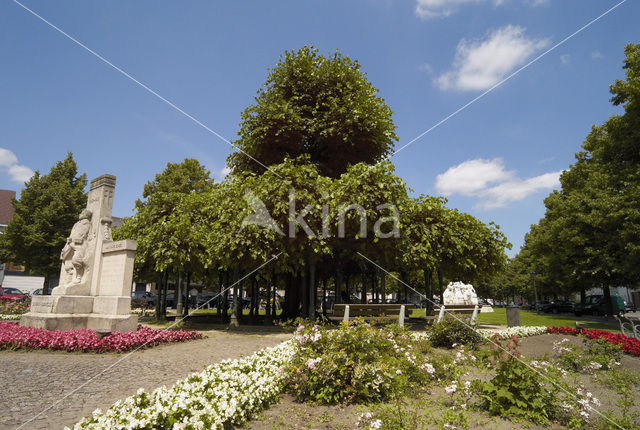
[100, 202]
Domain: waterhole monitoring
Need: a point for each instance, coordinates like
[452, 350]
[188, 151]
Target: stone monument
[458, 293]
[95, 275]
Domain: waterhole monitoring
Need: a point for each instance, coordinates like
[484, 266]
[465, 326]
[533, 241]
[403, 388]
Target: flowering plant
[223, 394]
[630, 345]
[520, 332]
[13, 336]
[9, 307]
[356, 363]
[515, 390]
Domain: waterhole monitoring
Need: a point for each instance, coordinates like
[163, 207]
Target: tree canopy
[44, 214]
[590, 234]
[315, 105]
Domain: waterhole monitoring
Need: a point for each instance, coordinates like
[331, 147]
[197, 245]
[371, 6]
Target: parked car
[558, 306]
[12, 294]
[208, 300]
[595, 305]
[538, 305]
[37, 292]
[144, 298]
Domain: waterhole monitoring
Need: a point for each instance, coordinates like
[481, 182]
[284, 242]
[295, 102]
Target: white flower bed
[224, 393]
[10, 317]
[505, 332]
[511, 331]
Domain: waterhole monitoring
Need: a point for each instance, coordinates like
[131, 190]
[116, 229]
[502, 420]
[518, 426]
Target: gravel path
[34, 380]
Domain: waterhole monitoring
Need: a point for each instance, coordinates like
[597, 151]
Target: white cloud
[479, 65]
[7, 158]
[597, 55]
[472, 176]
[565, 58]
[17, 172]
[513, 191]
[427, 9]
[489, 181]
[225, 171]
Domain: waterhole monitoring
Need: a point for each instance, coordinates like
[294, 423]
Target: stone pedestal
[96, 274]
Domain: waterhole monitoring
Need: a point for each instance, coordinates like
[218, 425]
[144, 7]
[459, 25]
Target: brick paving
[30, 381]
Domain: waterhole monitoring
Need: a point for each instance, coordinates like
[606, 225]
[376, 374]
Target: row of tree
[590, 234]
[188, 226]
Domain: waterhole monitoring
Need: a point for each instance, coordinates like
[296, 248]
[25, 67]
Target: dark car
[539, 305]
[12, 294]
[558, 306]
[208, 300]
[596, 305]
[144, 298]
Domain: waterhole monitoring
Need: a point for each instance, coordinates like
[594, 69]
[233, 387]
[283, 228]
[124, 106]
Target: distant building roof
[6, 208]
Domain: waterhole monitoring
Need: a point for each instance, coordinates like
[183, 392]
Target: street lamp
[535, 292]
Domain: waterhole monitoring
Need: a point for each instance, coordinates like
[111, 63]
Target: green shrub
[356, 363]
[451, 331]
[516, 390]
[597, 354]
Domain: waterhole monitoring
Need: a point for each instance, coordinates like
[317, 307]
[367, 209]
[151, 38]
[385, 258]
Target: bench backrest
[370, 310]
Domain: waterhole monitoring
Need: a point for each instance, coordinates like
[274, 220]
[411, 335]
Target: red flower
[13, 336]
[630, 345]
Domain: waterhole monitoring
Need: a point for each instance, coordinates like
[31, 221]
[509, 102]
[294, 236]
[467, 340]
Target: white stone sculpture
[458, 293]
[96, 274]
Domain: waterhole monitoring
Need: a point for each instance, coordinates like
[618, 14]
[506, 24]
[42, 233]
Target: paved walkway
[32, 381]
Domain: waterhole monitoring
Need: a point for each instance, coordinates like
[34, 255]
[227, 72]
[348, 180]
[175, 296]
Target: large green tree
[323, 106]
[590, 234]
[43, 216]
[162, 224]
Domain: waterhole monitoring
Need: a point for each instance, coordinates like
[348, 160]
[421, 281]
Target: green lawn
[528, 318]
[499, 317]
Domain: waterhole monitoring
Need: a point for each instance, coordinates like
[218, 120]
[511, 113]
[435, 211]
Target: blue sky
[497, 159]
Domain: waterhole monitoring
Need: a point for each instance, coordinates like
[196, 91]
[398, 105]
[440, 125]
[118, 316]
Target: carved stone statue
[458, 293]
[73, 255]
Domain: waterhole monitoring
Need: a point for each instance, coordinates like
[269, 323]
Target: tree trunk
[159, 297]
[440, 286]
[324, 297]
[220, 297]
[338, 287]
[583, 296]
[178, 295]
[304, 289]
[186, 304]
[165, 291]
[383, 287]
[234, 303]
[428, 281]
[363, 292]
[313, 291]
[606, 291]
[225, 301]
[348, 288]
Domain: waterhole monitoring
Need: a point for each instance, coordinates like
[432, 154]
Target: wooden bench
[346, 312]
[439, 311]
